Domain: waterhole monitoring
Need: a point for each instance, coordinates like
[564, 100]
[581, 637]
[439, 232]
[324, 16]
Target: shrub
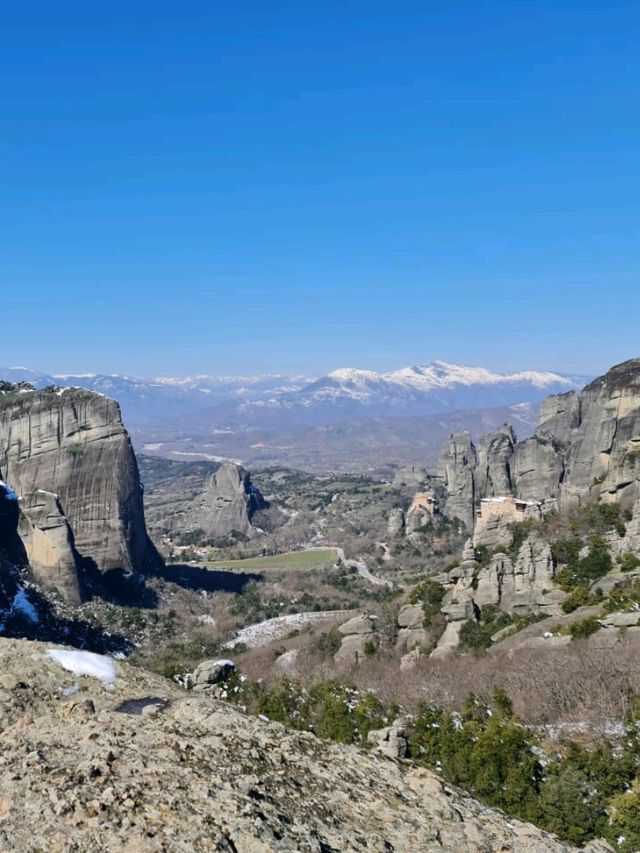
[430, 594]
[584, 628]
[628, 562]
[329, 642]
[76, 449]
[473, 637]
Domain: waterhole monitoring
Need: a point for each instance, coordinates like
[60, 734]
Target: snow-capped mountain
[146, 400]
[423, 389]
[340, 395]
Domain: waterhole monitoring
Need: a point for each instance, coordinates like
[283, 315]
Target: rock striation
[230, 501]
[138, 764]
[456, 467]
[48, 542]
[67, 454]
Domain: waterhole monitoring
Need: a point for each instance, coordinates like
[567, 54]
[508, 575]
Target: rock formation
[495, 518]
[424, 510]
[585, 446]
[396, 522]
[71, 444]
[411, 475]
[457, 465]
[411, 631]
[48, 542]
[493, 474]
[139, 764]
[524, 585]
[230, 500]
[356, 634]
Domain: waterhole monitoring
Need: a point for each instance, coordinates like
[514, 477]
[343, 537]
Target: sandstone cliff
[586, 447]
[230, 500]
[71, 444]
[137, 764]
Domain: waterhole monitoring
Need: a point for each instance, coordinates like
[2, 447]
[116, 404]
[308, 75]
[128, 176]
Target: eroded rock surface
[457, 465]
[140, 765]
[230, 500]
[48, 543]
[72, 443]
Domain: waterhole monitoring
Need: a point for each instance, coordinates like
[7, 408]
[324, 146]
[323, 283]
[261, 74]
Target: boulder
[389, 741]
[356, 634]
[358, 625]
[410, 616]
[212, 672]
[621, 620]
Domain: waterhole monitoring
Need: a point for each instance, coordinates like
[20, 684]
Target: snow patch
[9, 494]
[22, 605]
[85, 663]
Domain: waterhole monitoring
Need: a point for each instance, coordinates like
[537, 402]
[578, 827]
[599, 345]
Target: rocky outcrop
[457, 465]
[537, 469]
[357, 633]
[524, 585]
[389, 741]
[48, 543]
[396, 522]
[604, 450]
[586, 447]
[412, 476]
[138, 764]
[411, 633]
[424, 511]
[72, 443]
[496, 517]
[493, 474]
[558, 416]
[230, 500]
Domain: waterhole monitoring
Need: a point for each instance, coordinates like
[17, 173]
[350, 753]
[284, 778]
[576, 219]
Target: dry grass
[590, 681]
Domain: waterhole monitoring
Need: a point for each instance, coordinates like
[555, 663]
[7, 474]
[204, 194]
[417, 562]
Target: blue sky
[250, 187]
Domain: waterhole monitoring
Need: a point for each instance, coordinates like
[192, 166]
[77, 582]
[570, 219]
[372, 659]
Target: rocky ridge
[586, 447]
[134, 763]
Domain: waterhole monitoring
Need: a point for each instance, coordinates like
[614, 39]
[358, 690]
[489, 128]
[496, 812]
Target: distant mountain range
[348, 418]
[341, 394]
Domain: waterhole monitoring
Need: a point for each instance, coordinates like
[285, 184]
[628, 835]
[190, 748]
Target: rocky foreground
[136, 763]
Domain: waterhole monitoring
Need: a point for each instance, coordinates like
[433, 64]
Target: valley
[492, 595]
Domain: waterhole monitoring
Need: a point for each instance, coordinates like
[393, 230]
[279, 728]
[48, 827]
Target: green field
[311, 559]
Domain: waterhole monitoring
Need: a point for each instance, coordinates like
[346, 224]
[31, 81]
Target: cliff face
[72, 444]
[585, 447]
[604, 449]
[457, 467]
[230, 500]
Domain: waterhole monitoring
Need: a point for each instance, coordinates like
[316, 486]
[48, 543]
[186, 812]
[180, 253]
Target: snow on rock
[262, 633]
[85, 663]
[22, 605]
[9, 494]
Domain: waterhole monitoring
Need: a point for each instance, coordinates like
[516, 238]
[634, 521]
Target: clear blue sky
[263, 186]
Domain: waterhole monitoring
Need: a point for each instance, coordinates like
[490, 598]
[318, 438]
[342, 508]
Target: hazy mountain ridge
[346, 392]
[348, 419]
